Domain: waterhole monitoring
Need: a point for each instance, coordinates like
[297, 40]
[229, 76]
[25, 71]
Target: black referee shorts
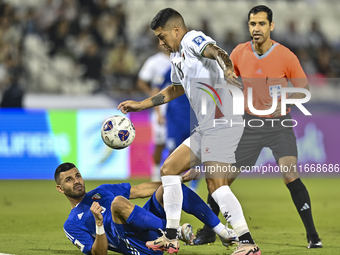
[281, 140]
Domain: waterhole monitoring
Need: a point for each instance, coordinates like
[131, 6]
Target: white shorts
[159, 132]
[216, 144]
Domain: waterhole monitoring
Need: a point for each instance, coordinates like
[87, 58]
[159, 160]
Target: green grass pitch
[32, 214]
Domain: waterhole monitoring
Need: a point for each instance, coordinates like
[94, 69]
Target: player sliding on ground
[104, 219]
[197, 66]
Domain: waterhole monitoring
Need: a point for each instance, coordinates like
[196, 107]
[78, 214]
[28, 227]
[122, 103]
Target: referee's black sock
[302, 203]
[214, 207]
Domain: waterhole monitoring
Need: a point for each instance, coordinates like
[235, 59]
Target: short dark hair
[262, 8]
[163, 16]
[62, 168]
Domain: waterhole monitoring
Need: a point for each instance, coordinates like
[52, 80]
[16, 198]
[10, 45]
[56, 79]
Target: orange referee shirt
[272, 69]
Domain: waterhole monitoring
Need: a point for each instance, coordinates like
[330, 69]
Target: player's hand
[96, 210]
[277, 111]
[192, 174]
[231, 78]
[129, 106]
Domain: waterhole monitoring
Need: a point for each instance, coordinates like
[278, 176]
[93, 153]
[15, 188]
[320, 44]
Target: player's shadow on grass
[52, 251]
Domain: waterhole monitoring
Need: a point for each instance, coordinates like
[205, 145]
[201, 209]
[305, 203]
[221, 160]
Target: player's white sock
[231, 209]
[218, 229]
[172, 199]
[156, 173]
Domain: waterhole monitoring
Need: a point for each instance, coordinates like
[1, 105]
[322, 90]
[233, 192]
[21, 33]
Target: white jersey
[198, 76]
[154, 68]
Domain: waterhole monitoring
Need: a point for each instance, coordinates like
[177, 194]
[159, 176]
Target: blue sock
[144, 219]
[194, 205]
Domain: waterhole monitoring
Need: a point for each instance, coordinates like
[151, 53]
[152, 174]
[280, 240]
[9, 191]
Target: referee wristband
[100, 230]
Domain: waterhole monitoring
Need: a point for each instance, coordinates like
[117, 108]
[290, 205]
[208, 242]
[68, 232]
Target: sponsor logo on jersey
[259, 71]
[80, 215]
[198, 40]
[278, 89]
[96, 196]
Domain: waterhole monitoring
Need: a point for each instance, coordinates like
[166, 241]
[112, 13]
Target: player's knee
[118, 204]
[165, 169]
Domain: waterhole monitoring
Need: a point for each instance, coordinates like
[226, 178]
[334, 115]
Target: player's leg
[177, 163]
[283, 145]
[301, 199]
[193, 204]
[218, 154]
[246, 154]
[230, 208]
[124, 212]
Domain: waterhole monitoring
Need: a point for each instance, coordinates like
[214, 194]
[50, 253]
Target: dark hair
[262, 8]
[163, 16]
[62, 168]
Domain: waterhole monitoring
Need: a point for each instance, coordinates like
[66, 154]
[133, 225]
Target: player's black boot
[314, 242]
[204, 235]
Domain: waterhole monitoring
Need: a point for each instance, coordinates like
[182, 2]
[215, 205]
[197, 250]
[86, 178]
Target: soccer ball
[118, 132]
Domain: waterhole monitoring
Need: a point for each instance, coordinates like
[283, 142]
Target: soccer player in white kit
[198, 65]
[150, 73]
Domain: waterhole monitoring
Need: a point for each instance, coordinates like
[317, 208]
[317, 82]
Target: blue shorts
[131, 240]
[154, 207]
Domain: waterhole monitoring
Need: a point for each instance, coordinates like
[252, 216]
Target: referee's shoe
[312, 244]
[204, 236]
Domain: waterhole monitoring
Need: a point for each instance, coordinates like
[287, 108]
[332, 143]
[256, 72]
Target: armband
[100, 230]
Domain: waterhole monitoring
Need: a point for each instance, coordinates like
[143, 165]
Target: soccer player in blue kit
[104, 219]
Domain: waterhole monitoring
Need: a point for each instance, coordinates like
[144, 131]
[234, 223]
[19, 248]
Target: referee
[265, 65]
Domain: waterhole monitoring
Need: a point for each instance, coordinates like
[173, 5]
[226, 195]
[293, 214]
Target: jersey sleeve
[81, 239]
[121, 189]
[233, 57]
[295, 72]
[197, 42]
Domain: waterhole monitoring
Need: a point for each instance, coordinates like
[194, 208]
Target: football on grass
[118, 132]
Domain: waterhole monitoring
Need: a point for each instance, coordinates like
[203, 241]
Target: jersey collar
[265, 54]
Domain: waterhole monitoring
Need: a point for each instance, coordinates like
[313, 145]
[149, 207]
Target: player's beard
[74, 192]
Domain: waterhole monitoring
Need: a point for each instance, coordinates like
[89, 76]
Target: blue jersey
[80, 227]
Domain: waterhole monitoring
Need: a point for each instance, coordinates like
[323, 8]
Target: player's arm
[100, 244]
[145, 189]
[160, 117]
[166, 95]
[212, 51]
